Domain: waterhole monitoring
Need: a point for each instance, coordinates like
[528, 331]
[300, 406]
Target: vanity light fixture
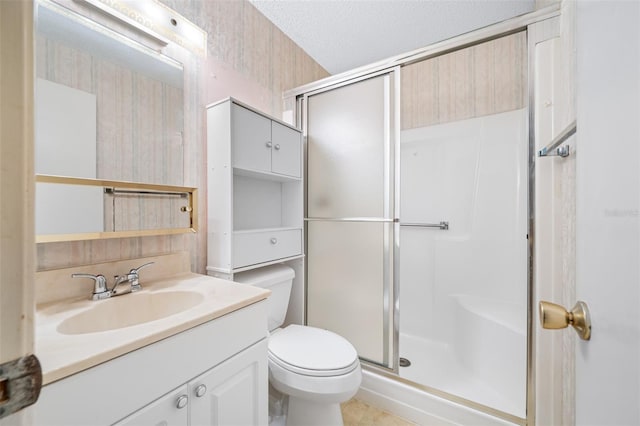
[155, 20]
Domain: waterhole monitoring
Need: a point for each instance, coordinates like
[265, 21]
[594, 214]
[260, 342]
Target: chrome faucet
[100, 289]
[133, 278]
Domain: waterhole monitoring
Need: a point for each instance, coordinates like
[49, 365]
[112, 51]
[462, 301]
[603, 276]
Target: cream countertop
[64, 354]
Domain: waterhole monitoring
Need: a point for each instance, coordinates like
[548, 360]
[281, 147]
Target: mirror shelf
[180, 201]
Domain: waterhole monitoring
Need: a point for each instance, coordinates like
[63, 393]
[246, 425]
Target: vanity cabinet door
[251, 135]
[234, 392]
[171, 409]
[286, 150]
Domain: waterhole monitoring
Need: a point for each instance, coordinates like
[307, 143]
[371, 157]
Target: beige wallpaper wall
[249, 59]
[488, 78]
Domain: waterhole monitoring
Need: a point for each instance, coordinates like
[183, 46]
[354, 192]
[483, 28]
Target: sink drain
[404, 362]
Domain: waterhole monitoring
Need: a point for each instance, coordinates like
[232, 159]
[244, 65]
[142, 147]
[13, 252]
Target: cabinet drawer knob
[182, 401]
[268, 144]
[201, 390]
[274, 241]
[277, 146]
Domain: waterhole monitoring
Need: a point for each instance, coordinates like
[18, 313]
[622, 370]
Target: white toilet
[316, 368]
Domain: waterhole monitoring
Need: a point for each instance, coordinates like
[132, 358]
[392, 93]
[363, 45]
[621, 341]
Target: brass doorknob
[553, 316]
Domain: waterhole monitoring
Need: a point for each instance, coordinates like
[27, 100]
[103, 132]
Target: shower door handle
[444, 225]
[553, 317]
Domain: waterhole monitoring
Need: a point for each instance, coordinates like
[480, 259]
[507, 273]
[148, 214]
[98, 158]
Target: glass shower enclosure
[417, 221]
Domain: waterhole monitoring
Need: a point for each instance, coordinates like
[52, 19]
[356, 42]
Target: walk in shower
[417, 220]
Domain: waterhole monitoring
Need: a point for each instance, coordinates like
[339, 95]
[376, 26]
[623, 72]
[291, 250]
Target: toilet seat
[313, 373]
[312, 351]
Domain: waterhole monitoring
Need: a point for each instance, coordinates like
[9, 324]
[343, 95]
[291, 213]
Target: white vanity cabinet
[229, 394]
[215, 373]
[255, 198]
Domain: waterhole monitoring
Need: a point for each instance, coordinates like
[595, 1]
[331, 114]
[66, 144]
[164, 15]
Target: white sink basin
[129, 310]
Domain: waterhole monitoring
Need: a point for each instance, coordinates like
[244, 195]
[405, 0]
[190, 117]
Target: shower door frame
[391, 207]
[296, 99]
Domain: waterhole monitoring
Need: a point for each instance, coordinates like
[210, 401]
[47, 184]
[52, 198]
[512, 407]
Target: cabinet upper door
[286, 150]
[251, 139]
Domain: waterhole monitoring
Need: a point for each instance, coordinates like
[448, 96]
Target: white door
[608, 214]
[16, 189]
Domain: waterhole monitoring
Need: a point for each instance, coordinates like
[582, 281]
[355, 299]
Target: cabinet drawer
[253, 247]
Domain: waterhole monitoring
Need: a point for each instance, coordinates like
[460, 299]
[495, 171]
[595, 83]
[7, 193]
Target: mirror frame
[191, 207]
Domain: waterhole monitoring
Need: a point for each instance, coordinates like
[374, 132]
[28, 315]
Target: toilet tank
[278, 279]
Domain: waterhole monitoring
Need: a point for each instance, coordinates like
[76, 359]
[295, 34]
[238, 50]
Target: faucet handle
[100, 290]
[134, 278]
[135, 270]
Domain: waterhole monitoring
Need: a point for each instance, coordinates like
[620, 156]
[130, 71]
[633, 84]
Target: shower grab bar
[554, 148]
[444, 225]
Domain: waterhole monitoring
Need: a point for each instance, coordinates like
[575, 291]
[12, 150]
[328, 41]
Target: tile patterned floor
[357, 413]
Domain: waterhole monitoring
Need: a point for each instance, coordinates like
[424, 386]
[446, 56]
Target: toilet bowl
[317, 369]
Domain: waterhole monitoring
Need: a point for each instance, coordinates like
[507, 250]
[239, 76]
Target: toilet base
[303, 412]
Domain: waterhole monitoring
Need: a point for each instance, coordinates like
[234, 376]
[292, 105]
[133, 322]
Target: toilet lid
[310, 348]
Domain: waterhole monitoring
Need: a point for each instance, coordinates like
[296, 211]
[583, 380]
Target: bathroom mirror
[107, 108]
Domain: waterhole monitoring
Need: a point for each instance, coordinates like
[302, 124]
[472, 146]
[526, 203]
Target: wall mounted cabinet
[255, 199]
[263, 145]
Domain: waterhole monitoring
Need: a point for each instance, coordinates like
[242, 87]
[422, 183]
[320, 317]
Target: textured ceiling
[344, 34]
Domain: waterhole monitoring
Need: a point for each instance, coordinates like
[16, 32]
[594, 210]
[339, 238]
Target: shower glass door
[464, 160]
[350, 214]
